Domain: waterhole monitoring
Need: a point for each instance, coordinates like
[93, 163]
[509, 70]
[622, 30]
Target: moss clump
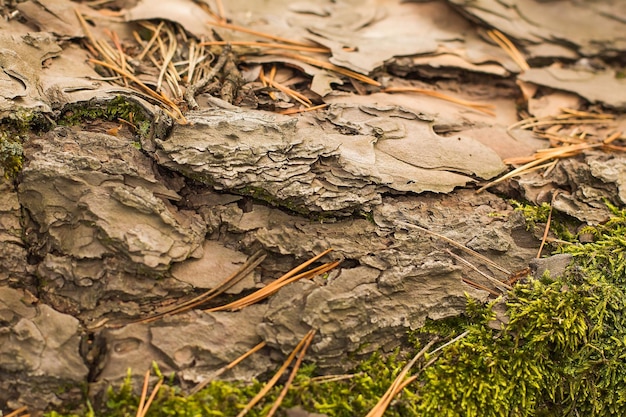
[561, 353]
[120, 108]
[14, 130]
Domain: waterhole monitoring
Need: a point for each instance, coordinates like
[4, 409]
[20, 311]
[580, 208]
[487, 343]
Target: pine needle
[231, 365]
[546, 230]
[457, 245]
[302, 110]
[255, 260]
[398, 384]
[144, 405]
[508, 46]
[271, 82]
[484, 108]
[272, 288]
[332, 67]
[279, 400]
[500, 285]
[268, 45]
[257, 33]
[268, 386]
[18, 412]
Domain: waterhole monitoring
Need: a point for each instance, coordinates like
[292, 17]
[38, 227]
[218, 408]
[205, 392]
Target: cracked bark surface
[96, 234]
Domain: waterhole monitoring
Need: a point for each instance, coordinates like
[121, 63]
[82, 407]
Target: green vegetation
[120, 108]
[561, 353]
[17, 126]
[14, 130]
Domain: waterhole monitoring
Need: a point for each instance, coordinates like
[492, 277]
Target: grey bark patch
[341, 161]
[92, 198]
[555, 265]
[39, 354]
[194, 344]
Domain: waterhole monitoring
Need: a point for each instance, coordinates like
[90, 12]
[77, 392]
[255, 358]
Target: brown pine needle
[159, 97]
[272, 288]
[231, 365]
[305, 109]
[144, 392]
[484, 108]
[255, 260]
[329, 66]
[145, 406]
[220, 11]
[456, 245]
[508, 46]
[541, 157]
[546, 230]
[279, 400]
[500, 285]
[157, 32]
[269, 45]
[268, 386]
[17, 412]
[398, 384]
[301, 98]
[481, 287]
[257, 33]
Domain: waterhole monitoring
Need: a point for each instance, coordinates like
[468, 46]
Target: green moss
[14, 132]
[537, 216]
[120, 108]
[561, 352]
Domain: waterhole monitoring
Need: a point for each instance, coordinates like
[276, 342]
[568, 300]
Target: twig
[192, 90]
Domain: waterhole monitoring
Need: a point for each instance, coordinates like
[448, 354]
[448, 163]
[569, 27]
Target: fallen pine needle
[508, 46]
[17, 412]
[271, 82]
[255, 260]
[484, 108]
[500, 285]
[159, 97]
[231, 365]
[398, 384]
[481, 287]
[272, 288]
[144, 405]
[268, 386]
[457, 245]
[546, 230]
[257, 33]
[308, 339]
[329, 66]
[305, 109]
[268, 45]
